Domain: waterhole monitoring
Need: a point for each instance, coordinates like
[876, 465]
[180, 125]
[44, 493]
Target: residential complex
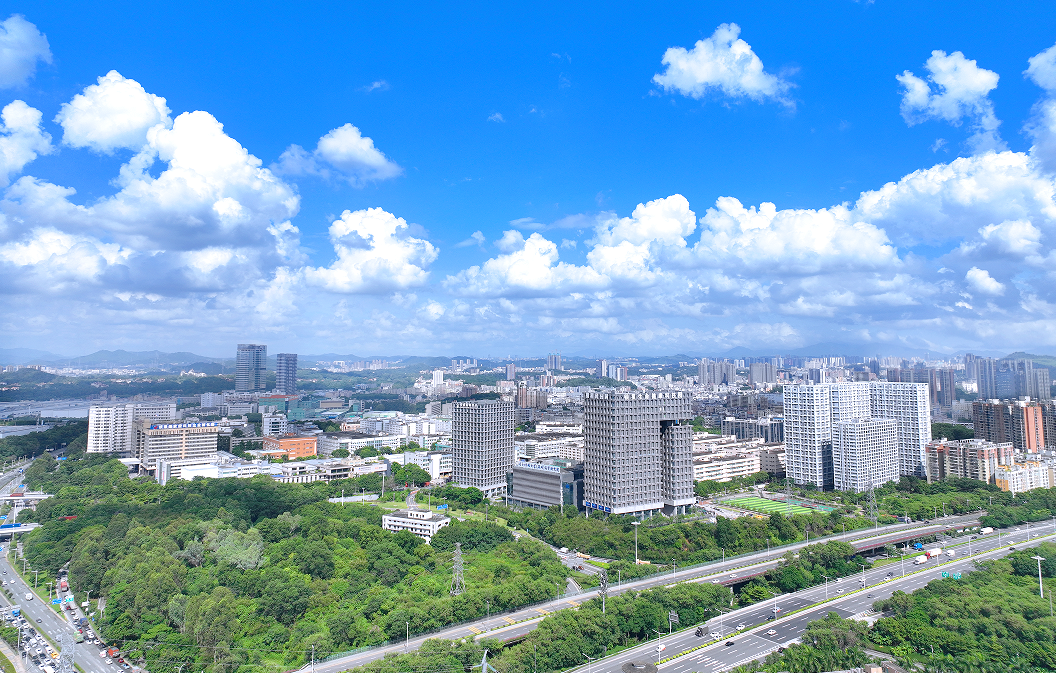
[811, 411]
[1020, 422]
[967, 458]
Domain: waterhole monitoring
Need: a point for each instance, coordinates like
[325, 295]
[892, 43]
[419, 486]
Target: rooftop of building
[546, 436]
[416, 515]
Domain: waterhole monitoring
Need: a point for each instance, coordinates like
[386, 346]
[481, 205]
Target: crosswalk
[474, 629]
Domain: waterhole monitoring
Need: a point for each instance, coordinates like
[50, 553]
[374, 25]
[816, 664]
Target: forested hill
[225, 573]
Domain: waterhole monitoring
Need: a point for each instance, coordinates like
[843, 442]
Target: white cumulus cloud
[723, 63]
[22, 138]
[1042, 126]
[114, 113]
[527, 267]
[21, 47]
[375, 253]
[981, 280]
[344, 153]
[956, 88]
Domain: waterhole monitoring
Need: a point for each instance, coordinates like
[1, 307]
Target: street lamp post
[659, 635]
[1041, 589]
[407, 643]
[826, 587]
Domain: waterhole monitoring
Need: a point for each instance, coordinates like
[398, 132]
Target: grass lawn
[757, 504]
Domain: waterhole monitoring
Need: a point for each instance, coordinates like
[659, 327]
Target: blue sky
[528, 178]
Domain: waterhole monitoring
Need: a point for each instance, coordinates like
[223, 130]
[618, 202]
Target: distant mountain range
[123, 358]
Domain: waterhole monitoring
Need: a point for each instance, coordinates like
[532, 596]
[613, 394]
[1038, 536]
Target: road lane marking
[475, 630]
[508, 620]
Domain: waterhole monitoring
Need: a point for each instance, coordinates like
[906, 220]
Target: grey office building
[544, 484]
[251, 368]
[638, 452]
[286, 373]
[482, 450]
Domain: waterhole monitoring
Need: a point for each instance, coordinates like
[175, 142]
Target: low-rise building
[354, 441]
[436, 463]
[422, 523]
[541, 445]
[290, 447]
[546, 483]
[772, 458]
[725, 467]
[1025, 476]
[274, 425]
[221, 465]
[564, 427]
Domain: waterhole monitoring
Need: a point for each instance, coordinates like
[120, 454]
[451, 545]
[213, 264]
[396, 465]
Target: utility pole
[1041, 589]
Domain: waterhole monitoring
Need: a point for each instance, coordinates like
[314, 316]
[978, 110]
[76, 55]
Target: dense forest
[230, 572]
[36, 443]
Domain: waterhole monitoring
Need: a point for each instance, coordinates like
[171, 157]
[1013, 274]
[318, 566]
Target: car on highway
[740, 626]
[771, 632]
[839, 591]
[38, 620]
[29, 596]
[729, 643]
[109, 662]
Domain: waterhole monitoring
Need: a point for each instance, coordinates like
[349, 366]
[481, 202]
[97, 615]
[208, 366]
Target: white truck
[932, 553]
[920, 560]
[986, 531]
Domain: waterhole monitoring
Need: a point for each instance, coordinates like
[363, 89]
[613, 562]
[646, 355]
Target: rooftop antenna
[458, 582]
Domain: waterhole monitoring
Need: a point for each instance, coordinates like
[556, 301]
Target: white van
[29, 596]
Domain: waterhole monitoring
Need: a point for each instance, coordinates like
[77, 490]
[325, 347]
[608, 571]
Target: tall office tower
[603, 368]
[638, 452]
[761, 372]
[943, 387]
[864, 453]
[909, 405]
[251, 368]
[1042, 384]
[553, 362]
[511, 372]
[111, 428]
[286, 373]
[482, 449]
[970, 371]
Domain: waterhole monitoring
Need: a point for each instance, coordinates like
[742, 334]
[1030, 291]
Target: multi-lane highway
[754, 635]
[38, 613]
[515, 624]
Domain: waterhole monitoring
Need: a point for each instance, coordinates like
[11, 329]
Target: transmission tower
[458, 582]
[603, 587]
[66, 652]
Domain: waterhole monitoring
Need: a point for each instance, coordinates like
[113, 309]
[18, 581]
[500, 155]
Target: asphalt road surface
[849, 599]
[515, 624]
[51, 623]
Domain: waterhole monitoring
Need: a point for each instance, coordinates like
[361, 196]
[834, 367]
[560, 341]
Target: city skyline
[714, 181]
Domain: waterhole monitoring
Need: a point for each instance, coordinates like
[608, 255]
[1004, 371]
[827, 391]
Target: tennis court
[756, 504]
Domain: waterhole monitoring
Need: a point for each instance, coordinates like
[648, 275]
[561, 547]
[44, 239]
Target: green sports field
[765, 506]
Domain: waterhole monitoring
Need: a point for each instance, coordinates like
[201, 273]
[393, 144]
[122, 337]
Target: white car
[740, 626]
[839, 591]
[109, 662]
[771, 632]
[29, 596]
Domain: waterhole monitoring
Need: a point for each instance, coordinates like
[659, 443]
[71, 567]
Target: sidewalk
[12, 656]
